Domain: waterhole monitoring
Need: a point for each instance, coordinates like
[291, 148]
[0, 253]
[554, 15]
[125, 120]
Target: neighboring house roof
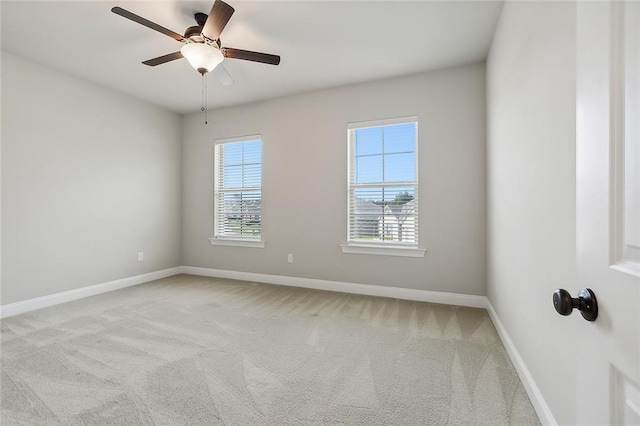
[393, 209]
[400, 211]
[408, 210]
[367, 210]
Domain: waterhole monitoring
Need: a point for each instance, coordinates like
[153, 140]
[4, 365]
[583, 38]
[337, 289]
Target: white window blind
[238, 188]
[383, 182]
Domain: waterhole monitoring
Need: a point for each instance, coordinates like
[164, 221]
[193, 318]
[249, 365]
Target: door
[608, 210]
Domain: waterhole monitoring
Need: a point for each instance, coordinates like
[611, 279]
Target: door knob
[586, 303]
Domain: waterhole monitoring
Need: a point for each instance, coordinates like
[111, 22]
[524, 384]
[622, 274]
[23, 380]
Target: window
[238, 192]
[383, 187]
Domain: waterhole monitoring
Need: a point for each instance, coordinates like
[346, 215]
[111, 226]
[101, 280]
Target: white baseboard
[29, 305]
[539, 404]
[343, 287]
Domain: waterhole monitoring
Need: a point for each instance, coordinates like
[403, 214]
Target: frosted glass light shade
[202, 57]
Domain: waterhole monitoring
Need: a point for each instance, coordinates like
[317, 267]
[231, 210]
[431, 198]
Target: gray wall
[89, 178]
[531, 189]
[305, 182]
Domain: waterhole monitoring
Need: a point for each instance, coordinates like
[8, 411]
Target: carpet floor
[205, 351]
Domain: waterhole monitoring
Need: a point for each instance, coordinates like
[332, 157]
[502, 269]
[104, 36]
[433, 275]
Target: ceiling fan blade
[147, 23]
[223, 75]
[217, 20]
[248, 55]
[163, 59]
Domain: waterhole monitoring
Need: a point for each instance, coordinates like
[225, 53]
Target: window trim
[233, 242]
[226, 240]
[379, 247]
[380, 250]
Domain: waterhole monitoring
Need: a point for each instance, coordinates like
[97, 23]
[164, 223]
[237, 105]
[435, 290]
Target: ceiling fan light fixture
[202, 57]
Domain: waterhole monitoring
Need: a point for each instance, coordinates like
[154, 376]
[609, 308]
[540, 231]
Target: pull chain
[206, 101]
[203, 108]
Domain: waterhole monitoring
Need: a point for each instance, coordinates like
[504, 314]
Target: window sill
[236, 243]
[382, 250]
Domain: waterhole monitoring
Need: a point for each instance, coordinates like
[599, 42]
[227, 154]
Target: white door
[608, 210]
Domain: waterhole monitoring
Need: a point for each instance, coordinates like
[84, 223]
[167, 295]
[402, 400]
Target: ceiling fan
[202, 46]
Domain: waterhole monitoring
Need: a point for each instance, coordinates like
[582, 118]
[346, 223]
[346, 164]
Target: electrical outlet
[140, 256]
[290, 258]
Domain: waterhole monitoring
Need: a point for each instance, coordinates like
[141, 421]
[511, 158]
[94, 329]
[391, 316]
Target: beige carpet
[195, 350]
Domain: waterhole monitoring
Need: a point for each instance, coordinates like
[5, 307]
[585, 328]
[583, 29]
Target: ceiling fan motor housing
[195, 31]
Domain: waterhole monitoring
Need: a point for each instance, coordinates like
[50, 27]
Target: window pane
[366, 211]
[374, 194]
[239, 213]
[232, 153]
[252, 152]
[383, 195]
[232, 176]
[252, 175]
[368, 141]
[399, 194]
[400, 138]
[241, 176]
[369, 169]
[383, 214]
[399, 167]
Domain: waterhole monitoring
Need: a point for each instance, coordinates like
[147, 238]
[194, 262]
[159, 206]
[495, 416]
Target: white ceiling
[322, 44]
